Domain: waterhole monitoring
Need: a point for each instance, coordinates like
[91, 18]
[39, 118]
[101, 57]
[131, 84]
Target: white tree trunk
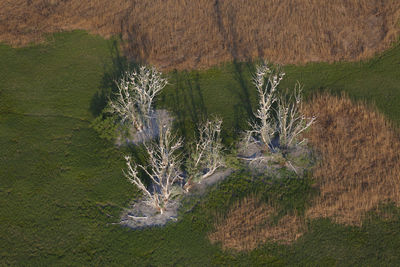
[163, 169]
[291, 122]
[135, 96]
[275, 115]
[266, 82]
[206, 156]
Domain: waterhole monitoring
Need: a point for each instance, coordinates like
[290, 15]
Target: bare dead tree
[266, 81]
[278, 115]
[207, 155]
[291, 122]
[125, 106]
[163, 169]
[136, 93]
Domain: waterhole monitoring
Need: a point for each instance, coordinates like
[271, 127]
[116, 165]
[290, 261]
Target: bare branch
[136, 93]
[206, 156]
[291, 122]
[163, 169]
[275, 117]
[266, 82]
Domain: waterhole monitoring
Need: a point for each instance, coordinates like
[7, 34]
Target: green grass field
[61, 186]
[227, 90]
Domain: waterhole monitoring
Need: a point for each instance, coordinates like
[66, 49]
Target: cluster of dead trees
[277, 116]
[133, 104]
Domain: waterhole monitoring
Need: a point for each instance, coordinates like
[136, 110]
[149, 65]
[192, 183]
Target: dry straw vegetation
[192, 34]
[360, 159]
[358, 170]
[250, 222]
[359, 150]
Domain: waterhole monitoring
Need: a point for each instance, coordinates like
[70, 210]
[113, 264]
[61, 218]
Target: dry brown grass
[194, 34]
[249, 223]
[360, 159]
[359, 169]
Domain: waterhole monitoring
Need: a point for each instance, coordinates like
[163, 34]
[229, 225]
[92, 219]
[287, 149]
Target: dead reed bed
[186, 34]
[360, 159]
[249, 223]
[359, 169]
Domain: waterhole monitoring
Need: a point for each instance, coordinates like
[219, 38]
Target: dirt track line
[47, 115]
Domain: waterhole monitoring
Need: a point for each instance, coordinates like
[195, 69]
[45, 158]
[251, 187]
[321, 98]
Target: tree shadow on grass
[184, 98]
[119, 64]
[243, 110]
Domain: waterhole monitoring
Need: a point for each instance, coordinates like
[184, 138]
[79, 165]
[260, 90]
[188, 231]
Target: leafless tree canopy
[206, 155]
[285, 120]
[291, 121]
[163, 169]
[266, 81]
[135, 96]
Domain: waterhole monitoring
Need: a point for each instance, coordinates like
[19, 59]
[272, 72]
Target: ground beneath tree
[259, 159]
[141, 215]
[160, 117]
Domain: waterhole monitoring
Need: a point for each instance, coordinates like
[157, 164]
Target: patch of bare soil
[201, 187]
[141, 215]
[262, 160]
[159, 117]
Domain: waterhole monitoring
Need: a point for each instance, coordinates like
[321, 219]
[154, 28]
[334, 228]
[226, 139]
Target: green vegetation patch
[227, 90]
[61, 185]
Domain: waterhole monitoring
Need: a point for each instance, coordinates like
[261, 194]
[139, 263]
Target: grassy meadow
[62, 188]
